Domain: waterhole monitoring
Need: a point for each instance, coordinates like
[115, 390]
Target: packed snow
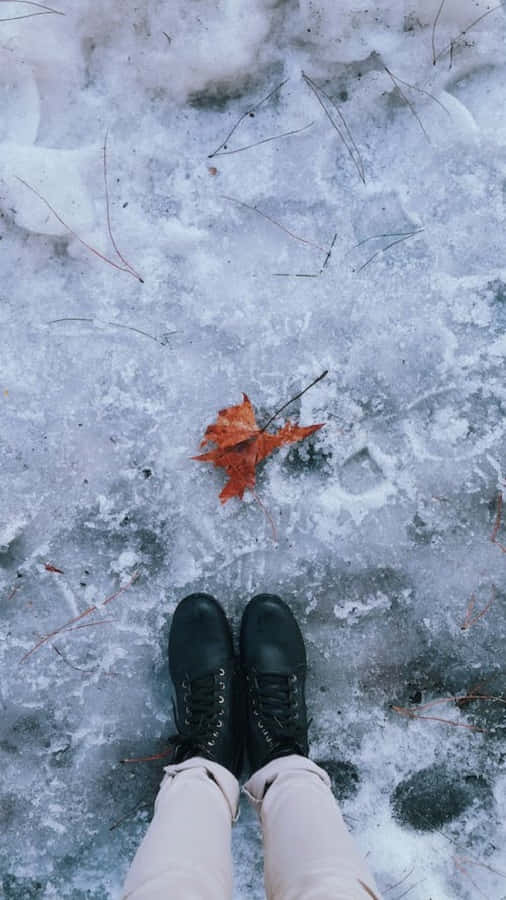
[367, 238]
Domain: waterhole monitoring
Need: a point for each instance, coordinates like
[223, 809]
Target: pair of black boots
[224, 704]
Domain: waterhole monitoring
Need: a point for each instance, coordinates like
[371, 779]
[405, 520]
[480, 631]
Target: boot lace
[275, 704]
[204, 703]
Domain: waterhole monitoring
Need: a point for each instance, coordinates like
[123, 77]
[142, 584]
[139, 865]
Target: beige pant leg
[185, 854]
[309, 854]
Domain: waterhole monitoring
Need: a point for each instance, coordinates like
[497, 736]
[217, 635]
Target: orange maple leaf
[241, 445]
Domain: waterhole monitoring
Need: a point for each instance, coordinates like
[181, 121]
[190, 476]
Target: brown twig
[45, 10]
[275, 137]
[50, 568]
[436, 20]
[497, 524]
[274, 222]
[462, 33]
[475, 862]
[346, 135]
[469, 618]
[71, 665]
[249, 112]
[74, 234]
[120, 256]
[292, 400]
[462, 869]
[78, 618]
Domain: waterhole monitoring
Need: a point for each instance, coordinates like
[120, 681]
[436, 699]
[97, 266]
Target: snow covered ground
[384, 519]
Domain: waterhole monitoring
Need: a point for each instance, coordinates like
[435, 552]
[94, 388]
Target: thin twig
[139, 759]
[223, 145]
[297, 274]
[71, 665]
[292, 400]
[408, 103]
[470, 619]
[462, 33]
[497, 524]
[45, 10]
[78, 618]
[113, 325]
[267, 516]
[275, 137]
[73, 233]
[13, 592]
[464, 871]
[274, 222]
[475, 862]
[108, 214]
[401, 881]
[426, 93]
[142, 802]
[349, 141]
[388, 247]
[436, 20]
[88, 625]
[384, 234]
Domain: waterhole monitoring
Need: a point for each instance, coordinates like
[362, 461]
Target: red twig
[78, 618]
[74, 234]
[470, 619]
[415, 714]
[267, 516]
[138, 759]
[50, 568]
[13, 592]
[497, 524]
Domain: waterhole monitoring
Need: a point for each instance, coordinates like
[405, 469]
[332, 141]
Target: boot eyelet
[221, 671]
[210, 743]
[221, 699]
[186, 721]
[222, 685]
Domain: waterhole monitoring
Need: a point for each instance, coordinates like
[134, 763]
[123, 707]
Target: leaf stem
[292, 400]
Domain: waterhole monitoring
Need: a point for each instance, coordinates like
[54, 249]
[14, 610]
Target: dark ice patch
[436, 795]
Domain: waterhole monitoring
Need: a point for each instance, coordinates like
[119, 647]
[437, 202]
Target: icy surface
[383, 519]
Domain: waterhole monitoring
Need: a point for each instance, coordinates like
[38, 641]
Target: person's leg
[309, 854]
[186, 851]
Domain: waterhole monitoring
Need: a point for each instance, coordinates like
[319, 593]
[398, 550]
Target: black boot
[204, 671]
[273, 659]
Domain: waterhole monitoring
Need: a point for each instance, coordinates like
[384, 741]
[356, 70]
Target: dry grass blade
[113, 325]
[74, 234]
[138, 759]
[459, 701]
[249, 112]
[274, 222]
[465, 30]
[275, 137]
[475, 862]
[346, 136]
[407, 102]
[388, 247]
[44, 10]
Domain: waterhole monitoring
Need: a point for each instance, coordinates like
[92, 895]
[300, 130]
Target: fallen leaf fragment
[241, 445]
[50, 568]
